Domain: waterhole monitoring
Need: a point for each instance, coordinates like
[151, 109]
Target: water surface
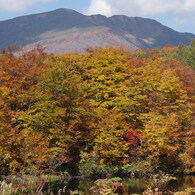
[131, 185]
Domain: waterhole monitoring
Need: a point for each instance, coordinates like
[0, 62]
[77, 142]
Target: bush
[90, 166]
[159, 181]
[6, 189]
[106, 186]
[137, 168]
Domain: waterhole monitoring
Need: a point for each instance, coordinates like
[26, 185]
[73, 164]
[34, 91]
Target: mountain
[65, 30]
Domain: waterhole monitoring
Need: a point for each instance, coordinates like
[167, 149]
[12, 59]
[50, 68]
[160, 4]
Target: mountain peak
[62, 10]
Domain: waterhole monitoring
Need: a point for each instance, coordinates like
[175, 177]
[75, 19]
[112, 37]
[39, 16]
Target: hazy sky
[177, 14]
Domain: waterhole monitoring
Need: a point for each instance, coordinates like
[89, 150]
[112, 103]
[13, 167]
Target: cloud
[177, 13]
[18, 5]
[100, 7]
[140, 7]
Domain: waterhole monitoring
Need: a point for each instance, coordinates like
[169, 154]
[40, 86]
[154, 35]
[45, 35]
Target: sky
[176, 14]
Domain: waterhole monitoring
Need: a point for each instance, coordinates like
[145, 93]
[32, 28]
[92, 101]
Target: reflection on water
[133, 185]
[181, 183]
[139, 185]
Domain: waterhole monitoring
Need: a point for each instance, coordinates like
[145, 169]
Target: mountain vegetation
[108, 107]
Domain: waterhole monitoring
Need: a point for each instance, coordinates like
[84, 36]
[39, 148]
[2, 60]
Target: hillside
[65, 30]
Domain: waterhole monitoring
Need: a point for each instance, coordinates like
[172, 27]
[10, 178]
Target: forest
[108, 111]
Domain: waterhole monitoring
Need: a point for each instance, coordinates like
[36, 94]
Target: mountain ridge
[66, 30]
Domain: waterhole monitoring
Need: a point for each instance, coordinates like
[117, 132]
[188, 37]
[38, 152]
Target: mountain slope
[65, 30]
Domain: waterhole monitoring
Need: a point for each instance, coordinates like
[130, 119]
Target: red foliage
[133, 137]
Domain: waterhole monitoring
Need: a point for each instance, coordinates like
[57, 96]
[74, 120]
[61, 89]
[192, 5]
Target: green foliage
[89, 165]
[185, 55]
[139, 168]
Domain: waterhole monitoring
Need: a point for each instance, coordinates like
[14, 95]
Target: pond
[133, 185]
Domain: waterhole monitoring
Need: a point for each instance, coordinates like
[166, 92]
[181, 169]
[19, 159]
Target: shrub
[137, 168]
[106, 186]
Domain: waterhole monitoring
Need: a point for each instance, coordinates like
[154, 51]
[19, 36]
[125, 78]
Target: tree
[162, 138]
[59, 110]
[110, 143]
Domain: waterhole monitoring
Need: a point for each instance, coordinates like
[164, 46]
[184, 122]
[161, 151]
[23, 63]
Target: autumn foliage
[109, 103]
